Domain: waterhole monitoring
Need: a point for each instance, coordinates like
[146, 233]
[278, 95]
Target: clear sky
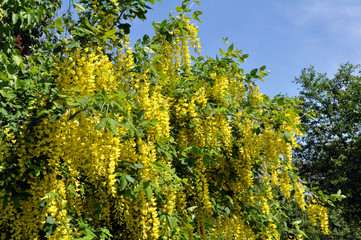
[284, 35]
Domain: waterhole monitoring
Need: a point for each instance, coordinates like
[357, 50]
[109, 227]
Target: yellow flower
[1, 15]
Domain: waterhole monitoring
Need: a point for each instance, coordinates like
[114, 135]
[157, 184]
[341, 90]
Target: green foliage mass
[330, 154]
[26, 42]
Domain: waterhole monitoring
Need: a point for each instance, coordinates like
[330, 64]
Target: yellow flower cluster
[85, 72]
[317, 211]
[1, 15]
[232, 227]
[124, 181]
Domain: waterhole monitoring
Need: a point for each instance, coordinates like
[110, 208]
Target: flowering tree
[150, 141]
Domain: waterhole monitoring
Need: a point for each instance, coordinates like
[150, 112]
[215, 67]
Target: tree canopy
[105, 138]
[330, 154]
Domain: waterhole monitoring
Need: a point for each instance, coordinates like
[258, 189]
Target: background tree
[330, 154]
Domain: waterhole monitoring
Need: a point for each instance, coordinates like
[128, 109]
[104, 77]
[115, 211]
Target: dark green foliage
[330, 157]
[26, 40]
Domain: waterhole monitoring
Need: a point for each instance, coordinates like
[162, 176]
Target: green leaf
[79, 7]
[171, 222]
[122, 183]
[3, 112]
[310, 116]
[129, 179]
[106, 232]
[112, 125]
[159, 165]
[300, 232]
[50, 220]
[196, 14]
[44, 112]
[101, 124]
[222, 52]
[230, 48]
[18, 60]
[59, 22]
[73, 104]
[185, 4]
[10, 68]
[148, 50]
[297, 222]
[138, 165]
[72, 45]
[254, 72]
[191, 209]
[56, 117]
[15, 18]
[262, 68]
[148, 191]
[30, 18]
[74, 115]
[286, 136]
[71, 190]
[111, 34]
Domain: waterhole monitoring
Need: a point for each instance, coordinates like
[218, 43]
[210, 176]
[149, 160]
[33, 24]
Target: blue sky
[284, 35]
